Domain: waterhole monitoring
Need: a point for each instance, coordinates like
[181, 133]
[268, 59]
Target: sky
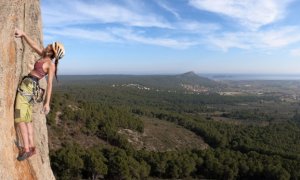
[175, 36]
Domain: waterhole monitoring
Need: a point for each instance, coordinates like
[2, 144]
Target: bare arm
[30, 42]
[51, 71]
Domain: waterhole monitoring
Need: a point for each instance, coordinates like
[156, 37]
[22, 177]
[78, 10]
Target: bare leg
[24, 132]
[30, 134]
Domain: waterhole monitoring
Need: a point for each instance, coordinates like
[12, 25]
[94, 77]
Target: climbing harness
[37, 94]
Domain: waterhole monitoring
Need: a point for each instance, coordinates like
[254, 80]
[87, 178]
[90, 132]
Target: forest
[258, 141]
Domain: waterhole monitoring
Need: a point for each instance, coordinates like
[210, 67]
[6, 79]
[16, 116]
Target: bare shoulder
[51, 66]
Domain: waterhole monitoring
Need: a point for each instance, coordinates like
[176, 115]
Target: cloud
[119, 35]
[168, 8]
[280, 37]
[130, 21]
[97, 12]
[196, 27]
[295, 52]
[165, 42]
[228, 40]
[94, 35]
[61, 14]
[267, 39]
[250, 13]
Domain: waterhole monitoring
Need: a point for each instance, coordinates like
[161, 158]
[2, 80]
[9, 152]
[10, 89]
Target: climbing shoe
[32, 151]
[23, 155]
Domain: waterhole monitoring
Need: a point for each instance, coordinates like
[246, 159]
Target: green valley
[174, 126]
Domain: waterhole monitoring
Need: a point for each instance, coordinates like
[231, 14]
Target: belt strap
[32, 78]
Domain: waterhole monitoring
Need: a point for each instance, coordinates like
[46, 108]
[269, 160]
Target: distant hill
[189, 74]
[180, 81]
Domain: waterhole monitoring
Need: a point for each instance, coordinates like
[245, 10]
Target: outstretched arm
[32, 44]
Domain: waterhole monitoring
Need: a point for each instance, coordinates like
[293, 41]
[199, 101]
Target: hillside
[161, 135]
[128, 132]
[158, 135]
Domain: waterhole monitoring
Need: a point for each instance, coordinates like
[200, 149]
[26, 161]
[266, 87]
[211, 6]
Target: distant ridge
[151, 81]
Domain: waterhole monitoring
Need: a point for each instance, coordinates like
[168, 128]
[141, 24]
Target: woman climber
[29, 91]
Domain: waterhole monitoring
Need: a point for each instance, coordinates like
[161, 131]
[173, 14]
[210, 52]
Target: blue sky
[175, 36]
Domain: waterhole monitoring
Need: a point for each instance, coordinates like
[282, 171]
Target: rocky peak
[190, 74]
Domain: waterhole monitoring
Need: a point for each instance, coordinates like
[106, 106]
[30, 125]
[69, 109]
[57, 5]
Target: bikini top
[38, 68]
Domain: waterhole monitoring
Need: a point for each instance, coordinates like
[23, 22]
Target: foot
[23, 155]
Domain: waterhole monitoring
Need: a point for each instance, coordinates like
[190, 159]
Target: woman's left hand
[19, 33]
[46, 109]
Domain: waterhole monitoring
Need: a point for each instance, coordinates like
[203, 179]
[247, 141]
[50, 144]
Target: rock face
[16, 59]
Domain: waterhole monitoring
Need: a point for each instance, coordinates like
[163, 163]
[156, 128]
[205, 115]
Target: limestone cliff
[15, 55]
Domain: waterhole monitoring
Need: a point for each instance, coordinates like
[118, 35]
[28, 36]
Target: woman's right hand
[19, 33]
[46, 109]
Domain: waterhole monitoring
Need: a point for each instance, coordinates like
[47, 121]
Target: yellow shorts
[23, 109]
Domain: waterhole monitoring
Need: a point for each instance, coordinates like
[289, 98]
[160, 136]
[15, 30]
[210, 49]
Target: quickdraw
[37, 92]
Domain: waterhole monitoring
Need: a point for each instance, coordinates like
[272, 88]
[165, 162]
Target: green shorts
[23, 107]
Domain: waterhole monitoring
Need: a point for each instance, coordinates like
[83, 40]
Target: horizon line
[268, 74]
